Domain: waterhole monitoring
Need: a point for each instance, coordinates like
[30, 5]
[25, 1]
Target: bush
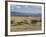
[34, 21]
[25, 21]
[19, 23]
[12, 22]
[40, 20]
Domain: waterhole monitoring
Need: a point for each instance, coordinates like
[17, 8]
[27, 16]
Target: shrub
[40, 20]
[19, 23]
[25, 21]
[12, 22]
[34, 21]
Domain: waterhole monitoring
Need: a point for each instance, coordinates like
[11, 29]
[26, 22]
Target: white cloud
[26, 6]
[18, 6]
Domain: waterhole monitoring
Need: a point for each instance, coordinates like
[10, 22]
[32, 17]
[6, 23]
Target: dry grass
[25, 23]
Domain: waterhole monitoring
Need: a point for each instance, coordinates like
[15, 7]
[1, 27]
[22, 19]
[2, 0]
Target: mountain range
[24, 14]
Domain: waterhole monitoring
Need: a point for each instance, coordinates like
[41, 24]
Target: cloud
[26, 9]
[18, 6]
[26, 6]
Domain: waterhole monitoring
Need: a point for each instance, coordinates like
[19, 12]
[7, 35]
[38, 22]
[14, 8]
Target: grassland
[25, 23]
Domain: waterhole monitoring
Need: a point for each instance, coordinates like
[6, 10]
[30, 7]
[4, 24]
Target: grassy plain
[25, 23]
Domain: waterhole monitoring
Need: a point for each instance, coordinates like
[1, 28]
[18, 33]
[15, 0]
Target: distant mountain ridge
[24, 14]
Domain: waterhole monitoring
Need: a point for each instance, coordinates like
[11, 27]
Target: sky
[27, 9]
